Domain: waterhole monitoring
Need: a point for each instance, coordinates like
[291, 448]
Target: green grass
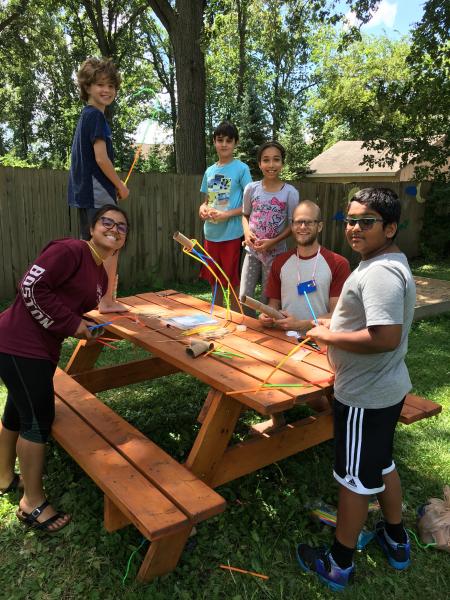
[266, 514]
[434, 270]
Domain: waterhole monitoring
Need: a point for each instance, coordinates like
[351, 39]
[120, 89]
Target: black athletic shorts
[30, 404]
[363, 443]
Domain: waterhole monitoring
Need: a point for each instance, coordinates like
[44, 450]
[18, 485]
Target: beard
[306, 240]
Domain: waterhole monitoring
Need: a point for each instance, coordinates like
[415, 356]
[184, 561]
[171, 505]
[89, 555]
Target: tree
[253, 130]
[184, 25]
[40, 52]
[11, 12]
[298, 152]
[424, 99]
[345, 102]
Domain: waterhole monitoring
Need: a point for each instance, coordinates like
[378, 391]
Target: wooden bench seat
[142, 484]
[416, 408]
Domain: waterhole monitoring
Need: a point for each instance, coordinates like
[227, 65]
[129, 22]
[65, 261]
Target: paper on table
[191, 321]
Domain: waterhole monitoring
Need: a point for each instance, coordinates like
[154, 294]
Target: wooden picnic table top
[261, 349]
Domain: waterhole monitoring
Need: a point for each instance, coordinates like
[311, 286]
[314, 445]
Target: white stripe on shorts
[354, 440]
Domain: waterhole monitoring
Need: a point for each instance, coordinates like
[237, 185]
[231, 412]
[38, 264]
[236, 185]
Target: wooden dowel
[228, 568]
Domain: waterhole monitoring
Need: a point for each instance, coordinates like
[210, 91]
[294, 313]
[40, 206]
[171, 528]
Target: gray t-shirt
[380, 291]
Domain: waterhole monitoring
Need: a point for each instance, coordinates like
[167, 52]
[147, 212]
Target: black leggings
[30, 405]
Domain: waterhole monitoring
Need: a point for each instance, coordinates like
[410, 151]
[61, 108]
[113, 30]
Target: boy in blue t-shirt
[367, 340]
[223, 187]
[93, 181]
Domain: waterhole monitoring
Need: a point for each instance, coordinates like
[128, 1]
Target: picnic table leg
[83, 357]
[163, 555]
[204, 410]
[214, 435]
[113, 519]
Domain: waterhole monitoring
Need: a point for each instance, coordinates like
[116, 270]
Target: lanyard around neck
[314, 269]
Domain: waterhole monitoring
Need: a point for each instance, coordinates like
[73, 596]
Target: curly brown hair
[92, 70]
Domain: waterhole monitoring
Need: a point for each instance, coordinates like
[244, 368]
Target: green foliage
[435, 238]
[40, 52]
[345, 102]
[253, 130]
[298, 152]
[423, 98]
[266, 515]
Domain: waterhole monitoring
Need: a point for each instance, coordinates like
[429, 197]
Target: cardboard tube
[183, 240]
[199, 347]
[259, 306]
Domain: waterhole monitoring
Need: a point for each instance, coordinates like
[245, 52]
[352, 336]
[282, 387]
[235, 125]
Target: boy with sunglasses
[93, 181]
[367, 339]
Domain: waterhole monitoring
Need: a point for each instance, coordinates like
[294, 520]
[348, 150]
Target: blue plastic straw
[199, 254]
[91, 327]
[311, 309]
[214, 297]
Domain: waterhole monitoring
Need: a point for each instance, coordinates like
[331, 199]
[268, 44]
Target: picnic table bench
[141, 483]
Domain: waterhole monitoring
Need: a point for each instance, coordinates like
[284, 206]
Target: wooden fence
[33, 211]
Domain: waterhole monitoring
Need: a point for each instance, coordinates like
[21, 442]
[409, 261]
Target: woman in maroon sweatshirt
[67, 280]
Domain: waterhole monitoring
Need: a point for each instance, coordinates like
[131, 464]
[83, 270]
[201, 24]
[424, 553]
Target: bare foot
[47, 513]
[111, 306]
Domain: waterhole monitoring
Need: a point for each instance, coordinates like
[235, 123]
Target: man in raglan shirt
[308, 267]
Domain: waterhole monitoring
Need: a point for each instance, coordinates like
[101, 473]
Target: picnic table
[212, 459]
[141, 483]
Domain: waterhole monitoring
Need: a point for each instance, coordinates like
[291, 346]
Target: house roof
[344, 158]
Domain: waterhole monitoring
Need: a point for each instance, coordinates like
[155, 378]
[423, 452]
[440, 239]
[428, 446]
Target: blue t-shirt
[88, 185]
[225, 185]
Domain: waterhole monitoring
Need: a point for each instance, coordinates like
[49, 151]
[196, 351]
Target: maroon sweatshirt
[63, 284]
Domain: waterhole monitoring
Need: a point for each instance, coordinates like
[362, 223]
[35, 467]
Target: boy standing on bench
[367, 339]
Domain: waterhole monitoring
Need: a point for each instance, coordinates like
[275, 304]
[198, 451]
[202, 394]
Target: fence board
[33, 211]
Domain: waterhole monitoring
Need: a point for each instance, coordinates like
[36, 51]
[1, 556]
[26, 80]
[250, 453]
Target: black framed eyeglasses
[108, 223]
[304, 222]
[364, 223]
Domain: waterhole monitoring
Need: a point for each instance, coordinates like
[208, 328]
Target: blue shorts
[363, 446]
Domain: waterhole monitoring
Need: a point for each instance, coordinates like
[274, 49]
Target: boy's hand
[320, 334]
[265, 320]
[324, 322]
[123, 191]
[263, 245]
[203, 211]
[218, 215]
[82, 332]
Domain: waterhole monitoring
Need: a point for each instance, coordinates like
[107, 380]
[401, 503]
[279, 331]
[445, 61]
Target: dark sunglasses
[108, 223]
[364, 223]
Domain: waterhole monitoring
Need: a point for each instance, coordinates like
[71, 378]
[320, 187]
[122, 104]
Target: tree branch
[15, 15]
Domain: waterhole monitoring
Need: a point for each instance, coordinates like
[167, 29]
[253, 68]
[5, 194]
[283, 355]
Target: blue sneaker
[398, 555]
[320, 561]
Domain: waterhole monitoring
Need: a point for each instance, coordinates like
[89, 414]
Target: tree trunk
[190, 75]
[242, 29]
[184, 24]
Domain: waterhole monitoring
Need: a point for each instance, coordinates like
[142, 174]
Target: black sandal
[31, 519]
[13, 486]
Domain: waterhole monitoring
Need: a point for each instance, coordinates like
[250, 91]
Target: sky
[393, 17]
